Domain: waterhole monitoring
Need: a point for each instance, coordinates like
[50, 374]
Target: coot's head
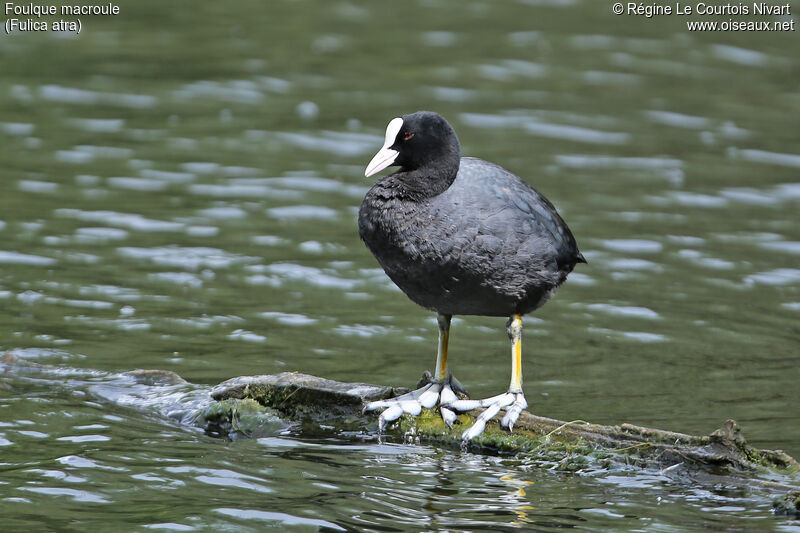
[420, 140]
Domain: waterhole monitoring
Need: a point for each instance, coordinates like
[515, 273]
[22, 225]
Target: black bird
[461, 236]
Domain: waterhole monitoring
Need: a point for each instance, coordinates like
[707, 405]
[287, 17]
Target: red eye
[407, 136]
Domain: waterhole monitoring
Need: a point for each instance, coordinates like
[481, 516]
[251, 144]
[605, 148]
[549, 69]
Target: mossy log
[302, 397]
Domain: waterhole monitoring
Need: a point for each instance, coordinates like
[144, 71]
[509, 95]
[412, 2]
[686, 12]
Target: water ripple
[127, 220]
[693, 199]
[222, 477]
[17, 129]
[742, 56]
[168, 176]
[311, 275]
[137, 184]
[678, 120]
[70, 95]
[624, 310]
[302, 212]
[642, 246]
[190, 258]
[748, 195]
[605, 161]
[248, 336]
[169, 526]
[42, 353]
[268, 240]
[282, 519]
[121, 324]
[242, 92]
[232, 190]
[777, 277]
[639, 336]
[112, 292]
[789, 247]
[84, 438]
[452, 94]
[289, 319]
[576, 133]
[223, 212]
[17, 258]
[703, 260]
[343, 144]
[314, 183]
[772, 158]
[509, 69]
[186, 279]
[75, 461]
[361, 330]
[633, 264]
[100, 235]
[98, 125]
[36, 186]
[78, 496]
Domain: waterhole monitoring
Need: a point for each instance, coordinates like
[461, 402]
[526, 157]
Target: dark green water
[178, 190]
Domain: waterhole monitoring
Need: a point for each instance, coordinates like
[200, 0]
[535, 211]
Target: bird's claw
[448, 416]
[457, 387]
[513, 402]
[447, 396]
[407, 397]
[429, 398]
[443, 393]
[513, 411]
[389, 415]
[413, 402]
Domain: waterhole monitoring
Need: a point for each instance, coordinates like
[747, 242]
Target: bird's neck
[428, 180]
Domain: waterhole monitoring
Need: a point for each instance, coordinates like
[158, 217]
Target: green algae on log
[234, 419]
[788, 504]
[305, 397]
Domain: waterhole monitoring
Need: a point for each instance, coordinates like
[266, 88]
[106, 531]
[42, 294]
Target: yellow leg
[514, 330]
[441, 353]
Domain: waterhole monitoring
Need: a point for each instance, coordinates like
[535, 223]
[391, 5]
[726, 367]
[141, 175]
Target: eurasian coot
[461, 236]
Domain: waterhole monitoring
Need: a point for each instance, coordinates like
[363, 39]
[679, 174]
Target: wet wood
[303, 397]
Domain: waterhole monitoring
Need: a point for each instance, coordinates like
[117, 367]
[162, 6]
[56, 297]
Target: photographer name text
[701, 12]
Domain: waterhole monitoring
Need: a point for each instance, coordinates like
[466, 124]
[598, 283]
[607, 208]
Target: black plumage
[463, 236]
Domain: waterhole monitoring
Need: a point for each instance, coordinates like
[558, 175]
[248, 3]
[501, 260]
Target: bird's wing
[498, 211]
